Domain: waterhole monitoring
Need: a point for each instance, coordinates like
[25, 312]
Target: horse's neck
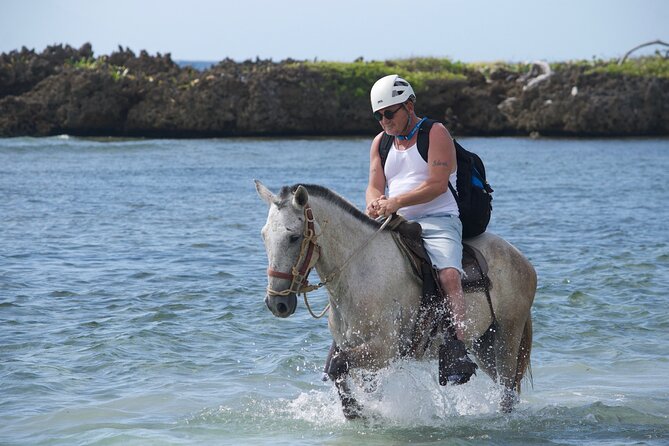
[342, 235]
[370, 283]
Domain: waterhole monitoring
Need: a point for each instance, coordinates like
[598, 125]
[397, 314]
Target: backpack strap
[385, 145]
[458, 148]
[423, 142]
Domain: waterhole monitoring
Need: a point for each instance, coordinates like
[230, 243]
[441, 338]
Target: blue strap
[412, 132]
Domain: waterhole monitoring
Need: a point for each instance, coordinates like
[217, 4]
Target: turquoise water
[132, 277]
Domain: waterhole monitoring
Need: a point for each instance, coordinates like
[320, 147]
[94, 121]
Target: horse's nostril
[282, 308]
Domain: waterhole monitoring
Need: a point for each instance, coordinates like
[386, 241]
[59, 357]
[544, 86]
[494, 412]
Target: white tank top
[405, 170]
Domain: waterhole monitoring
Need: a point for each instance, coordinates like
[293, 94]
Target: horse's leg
[484, 349]
[514, 285]
[524, 353]
[510, 397]
[507, 350]
[338, 368]
[352, 409]
[328, 360]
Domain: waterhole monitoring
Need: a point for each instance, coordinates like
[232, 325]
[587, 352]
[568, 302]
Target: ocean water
[132, 277]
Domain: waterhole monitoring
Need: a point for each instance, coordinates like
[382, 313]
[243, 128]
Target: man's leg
[452, 286]
[455, 365]
[443, 242]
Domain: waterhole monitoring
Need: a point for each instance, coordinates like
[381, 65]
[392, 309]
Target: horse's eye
[293, 238]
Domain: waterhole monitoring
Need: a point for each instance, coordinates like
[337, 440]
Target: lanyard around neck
[412, 132]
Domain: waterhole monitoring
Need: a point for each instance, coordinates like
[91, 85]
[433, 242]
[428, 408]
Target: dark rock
[21, 71]
[63, 90]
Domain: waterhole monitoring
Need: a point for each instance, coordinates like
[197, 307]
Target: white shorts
[442, 235]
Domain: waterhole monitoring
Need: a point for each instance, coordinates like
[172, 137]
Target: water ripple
[132, 281]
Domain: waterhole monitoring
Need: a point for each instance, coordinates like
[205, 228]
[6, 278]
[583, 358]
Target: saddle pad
[407, 235]
[476, 269]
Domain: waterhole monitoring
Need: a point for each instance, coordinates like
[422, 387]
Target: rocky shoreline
[63, 90]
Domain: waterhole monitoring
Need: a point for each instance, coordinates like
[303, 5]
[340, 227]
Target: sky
[341, 30]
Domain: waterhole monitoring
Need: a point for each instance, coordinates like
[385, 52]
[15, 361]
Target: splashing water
[405, 393]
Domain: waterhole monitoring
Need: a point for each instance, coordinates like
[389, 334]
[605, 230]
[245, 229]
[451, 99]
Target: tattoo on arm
[439, 163]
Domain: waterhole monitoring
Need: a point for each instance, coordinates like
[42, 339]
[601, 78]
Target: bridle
[299, 273]
[306, 261]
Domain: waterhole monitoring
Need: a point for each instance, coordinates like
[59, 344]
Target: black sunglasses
[387, 113]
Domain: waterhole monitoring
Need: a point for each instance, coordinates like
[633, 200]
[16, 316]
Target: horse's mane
[332, 197]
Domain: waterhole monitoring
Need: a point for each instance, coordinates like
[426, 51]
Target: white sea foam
[405, 393]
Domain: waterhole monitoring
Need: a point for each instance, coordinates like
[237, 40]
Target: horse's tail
[524, 352]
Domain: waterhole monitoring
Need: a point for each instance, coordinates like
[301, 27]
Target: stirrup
[455, 366]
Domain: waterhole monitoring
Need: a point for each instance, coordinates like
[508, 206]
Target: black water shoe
[455, 366]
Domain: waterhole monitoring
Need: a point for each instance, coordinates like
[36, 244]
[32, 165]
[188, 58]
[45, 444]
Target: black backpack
[474, 195]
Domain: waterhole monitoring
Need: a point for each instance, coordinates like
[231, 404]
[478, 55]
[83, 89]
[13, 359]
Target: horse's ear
[266, 195]
[300, 198]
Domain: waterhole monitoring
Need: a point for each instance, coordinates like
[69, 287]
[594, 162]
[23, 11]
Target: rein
[299, 274]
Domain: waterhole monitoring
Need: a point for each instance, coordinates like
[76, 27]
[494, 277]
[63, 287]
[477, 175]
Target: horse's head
[289, 237]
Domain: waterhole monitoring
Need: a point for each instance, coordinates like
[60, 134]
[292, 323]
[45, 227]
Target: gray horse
[374, 296]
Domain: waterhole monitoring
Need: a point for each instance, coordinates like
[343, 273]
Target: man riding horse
[419, 191]
[381, 311]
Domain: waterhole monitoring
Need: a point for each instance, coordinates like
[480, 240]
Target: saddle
[434, 313]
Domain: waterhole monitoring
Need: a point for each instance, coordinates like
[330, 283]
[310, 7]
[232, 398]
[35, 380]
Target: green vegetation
[651, 66]
[354, 78]
[487, 68]
[420, 70]
[85, 63]
[116, 72]
[657, 66]
[349, 78]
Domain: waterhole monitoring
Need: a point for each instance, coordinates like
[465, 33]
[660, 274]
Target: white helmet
[390, 90]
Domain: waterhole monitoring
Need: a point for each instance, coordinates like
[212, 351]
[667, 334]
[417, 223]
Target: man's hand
[382, 207]
[373, 207]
